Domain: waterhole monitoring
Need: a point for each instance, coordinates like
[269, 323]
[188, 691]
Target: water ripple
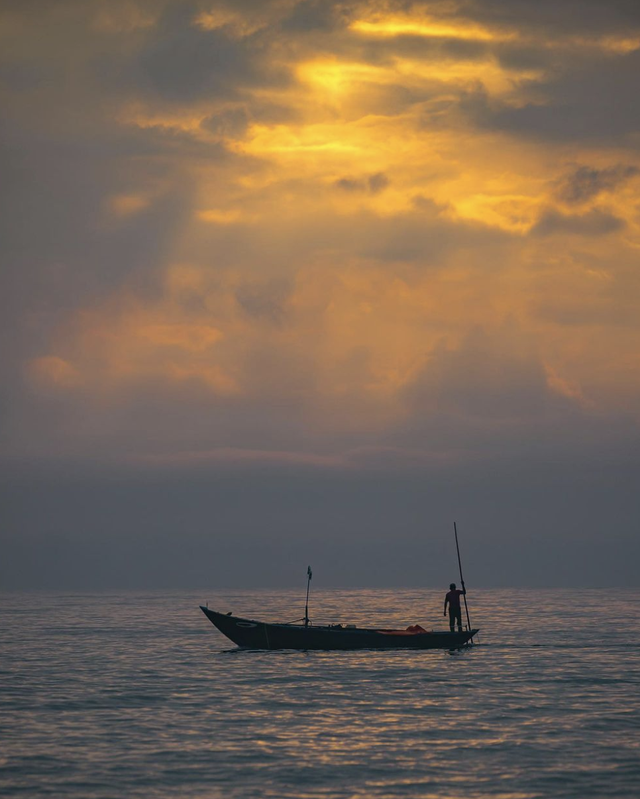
[137, 695]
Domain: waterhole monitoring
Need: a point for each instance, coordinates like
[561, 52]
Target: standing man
[452, 599]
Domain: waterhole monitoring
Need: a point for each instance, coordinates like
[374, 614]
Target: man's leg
[452, 619]
[459, 619]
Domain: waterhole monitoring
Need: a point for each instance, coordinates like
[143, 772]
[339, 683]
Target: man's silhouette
[452, 599]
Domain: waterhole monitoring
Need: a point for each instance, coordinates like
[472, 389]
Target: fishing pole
[306, 606]
[464, 595]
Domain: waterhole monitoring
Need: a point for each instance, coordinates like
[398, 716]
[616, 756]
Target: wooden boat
[252, 634]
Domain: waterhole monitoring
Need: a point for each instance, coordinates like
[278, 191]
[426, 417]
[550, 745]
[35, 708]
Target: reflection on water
[138, 695]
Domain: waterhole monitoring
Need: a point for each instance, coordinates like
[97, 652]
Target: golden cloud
[399, 222]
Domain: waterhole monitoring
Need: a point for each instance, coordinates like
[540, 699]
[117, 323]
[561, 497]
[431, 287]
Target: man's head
[452, 586]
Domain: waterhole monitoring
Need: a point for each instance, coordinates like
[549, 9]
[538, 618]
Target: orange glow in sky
[359, 217]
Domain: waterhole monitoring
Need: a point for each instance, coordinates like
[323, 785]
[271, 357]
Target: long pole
[306, 605]
[464, 596]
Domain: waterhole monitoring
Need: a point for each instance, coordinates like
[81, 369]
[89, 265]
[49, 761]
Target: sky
[305, 281]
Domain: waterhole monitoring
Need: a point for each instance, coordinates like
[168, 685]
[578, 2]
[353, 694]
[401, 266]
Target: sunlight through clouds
[429, 27]
[325, 205]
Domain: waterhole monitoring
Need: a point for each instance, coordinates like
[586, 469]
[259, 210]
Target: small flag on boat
[309, 572]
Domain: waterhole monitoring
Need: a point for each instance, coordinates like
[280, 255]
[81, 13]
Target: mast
[464, 596]
[306, 606]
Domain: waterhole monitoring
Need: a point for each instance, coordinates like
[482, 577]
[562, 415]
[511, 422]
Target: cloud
[184, 63]
[548, 17]
[496, 375]
[313, 16]
[265, 301]
[591, 223]
[52, 372]
[590, 98]
[229, 123]
[372, 184]
[584, 183]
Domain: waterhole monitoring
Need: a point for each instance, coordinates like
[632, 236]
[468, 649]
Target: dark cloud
[183, 62]
[377, 183]
[609, 300]
[423, 49]
[427, 205]
[16, 77]
[60, 190]
[494, 376]
[592, 223]
[520, 57]
[265, 300]
[583, 98]
[271, 113]
[349, 184]
[569, 16]
[230, 123]
[313, 16]
[584, 183]
[425, 237]
[373, 184]
[86, 528]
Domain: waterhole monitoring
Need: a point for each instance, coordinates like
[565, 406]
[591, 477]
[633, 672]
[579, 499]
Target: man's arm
[446, 602]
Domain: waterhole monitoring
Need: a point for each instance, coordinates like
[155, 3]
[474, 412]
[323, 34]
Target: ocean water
[138, 695]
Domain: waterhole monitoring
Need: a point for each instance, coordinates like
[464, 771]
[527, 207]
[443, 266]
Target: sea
[136, 694]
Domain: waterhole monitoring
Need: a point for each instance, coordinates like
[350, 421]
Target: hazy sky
[291, 281]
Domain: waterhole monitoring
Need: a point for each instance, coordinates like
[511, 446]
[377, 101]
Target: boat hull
[251, 634]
